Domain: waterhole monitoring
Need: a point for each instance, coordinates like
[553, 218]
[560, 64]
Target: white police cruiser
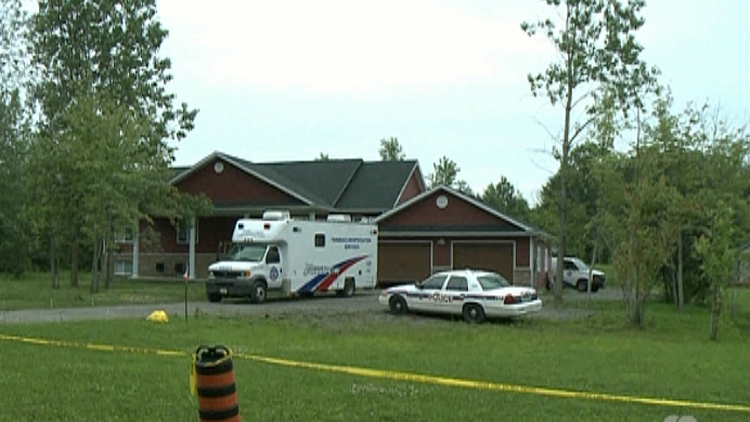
[474, 294]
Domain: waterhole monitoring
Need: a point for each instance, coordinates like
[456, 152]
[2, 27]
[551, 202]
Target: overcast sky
[286, 80]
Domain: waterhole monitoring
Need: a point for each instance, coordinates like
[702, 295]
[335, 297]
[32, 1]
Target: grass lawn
[35, 291]
[672, 359]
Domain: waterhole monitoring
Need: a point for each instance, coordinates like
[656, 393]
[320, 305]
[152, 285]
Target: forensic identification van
[295, 257]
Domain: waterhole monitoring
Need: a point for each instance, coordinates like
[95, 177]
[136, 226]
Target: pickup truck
[576, 274]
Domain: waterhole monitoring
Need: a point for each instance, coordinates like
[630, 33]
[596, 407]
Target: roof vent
[340, 218]
[276, 215]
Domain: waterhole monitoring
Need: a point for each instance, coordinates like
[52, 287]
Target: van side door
[274, 265]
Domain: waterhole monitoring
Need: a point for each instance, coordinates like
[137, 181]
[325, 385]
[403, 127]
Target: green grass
[35, 291]
[671, 358]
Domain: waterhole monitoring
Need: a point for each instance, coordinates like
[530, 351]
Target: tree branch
[580, 129]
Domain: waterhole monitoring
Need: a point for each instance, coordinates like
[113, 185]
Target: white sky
[286, 80]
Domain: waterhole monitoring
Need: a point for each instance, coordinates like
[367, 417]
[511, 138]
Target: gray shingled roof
[376, 185]
[347, 185]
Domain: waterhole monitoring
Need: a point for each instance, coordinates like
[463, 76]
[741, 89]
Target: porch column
[136, 250]
[532, 262]
[191, 263]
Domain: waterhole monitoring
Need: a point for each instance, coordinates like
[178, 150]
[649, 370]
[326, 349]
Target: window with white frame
[123, 266]
[183, 231]
[126, 236]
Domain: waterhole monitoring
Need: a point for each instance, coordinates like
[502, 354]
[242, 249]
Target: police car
[474, 294]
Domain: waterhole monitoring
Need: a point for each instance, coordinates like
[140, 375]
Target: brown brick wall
[411, 190]
[148, 261]
[231, 185]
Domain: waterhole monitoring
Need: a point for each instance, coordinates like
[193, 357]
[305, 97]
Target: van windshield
[249, 252]
[580, 264]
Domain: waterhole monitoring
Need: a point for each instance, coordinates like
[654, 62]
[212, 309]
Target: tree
[597, 47]
[14, 239]
[504, 197]
[322, 157]
[718, 256]
[13, 55]
[104, 85]
[444, 173]
[390, 150]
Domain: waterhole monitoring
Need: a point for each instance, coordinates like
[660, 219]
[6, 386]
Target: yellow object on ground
[158, 316]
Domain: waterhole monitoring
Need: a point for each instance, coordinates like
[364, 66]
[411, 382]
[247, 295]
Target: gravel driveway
[363, 303]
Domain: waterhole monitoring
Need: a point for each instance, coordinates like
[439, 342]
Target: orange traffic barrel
[217, 393]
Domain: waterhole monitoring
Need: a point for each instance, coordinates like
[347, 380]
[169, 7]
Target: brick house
[421, 231]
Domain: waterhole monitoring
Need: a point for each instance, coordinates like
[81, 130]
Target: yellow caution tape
[193, 378]
[404, 376]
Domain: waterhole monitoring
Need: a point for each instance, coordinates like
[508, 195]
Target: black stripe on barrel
[217, 392]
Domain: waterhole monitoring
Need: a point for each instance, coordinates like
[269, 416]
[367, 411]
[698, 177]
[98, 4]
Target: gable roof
[522, 227]
[378, 185]
[345, 185]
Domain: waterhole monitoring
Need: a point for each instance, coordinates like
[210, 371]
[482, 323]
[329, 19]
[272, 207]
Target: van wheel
[214, 297]
[259, 292]
[581, 286]
[473, 313]
[349, 288]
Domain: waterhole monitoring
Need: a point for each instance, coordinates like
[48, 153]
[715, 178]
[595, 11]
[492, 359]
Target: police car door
[429, 294]
[454, 294]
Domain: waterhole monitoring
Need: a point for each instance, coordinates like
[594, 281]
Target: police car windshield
[492, 281]
[246, 252]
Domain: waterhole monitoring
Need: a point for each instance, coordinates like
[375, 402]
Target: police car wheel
[214, 297]
[473, 313]
[397, 305]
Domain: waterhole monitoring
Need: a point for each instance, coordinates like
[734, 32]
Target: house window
[183, 232]
[125, 237]
[320, 240]
[123, 267]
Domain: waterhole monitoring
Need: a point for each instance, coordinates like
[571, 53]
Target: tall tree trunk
[591, 275]
[109, 243]
[96, 266]
[570, 83]
[110, 265]
[715, 311]
[74, 258]
[680, 285]
[53, 263]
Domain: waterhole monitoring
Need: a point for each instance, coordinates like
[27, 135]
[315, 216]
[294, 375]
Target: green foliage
[504, 197]
[445, 173]
[13, 54]
[100, 159]
[597, 45]
[14, 240]
[718, 258]
[391, 150]
[598, 54]
[322, 157]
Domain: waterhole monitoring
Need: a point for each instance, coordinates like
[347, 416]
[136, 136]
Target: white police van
[277, 253]
[576, 274]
